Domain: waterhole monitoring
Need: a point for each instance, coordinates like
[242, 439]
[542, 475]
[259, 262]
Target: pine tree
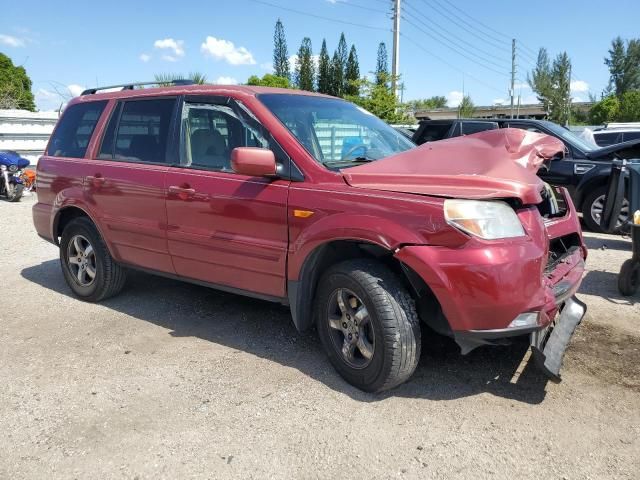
[352, 73]
[342, 58]
[337, 76]
[324, 70]
[305, 70]
[382, 65]
[280, 53]
[624, 66]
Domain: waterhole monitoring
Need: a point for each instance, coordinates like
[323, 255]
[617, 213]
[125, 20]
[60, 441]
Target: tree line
[338, 75]
[620, 101]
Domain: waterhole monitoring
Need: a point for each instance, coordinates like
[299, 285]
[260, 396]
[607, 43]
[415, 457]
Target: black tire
[391, 314]
[591, 223]
[629, 278]
[16, 193]
[109, 276]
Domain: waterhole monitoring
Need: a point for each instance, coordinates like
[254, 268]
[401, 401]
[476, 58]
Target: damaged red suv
[313, 202]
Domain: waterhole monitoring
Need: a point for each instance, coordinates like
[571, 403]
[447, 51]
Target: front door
[223, 228]
[126, 183]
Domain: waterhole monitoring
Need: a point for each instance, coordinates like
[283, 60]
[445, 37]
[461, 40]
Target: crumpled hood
[491, 164]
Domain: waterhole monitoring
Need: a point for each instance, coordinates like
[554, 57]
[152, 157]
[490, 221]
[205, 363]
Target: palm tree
[167, 79]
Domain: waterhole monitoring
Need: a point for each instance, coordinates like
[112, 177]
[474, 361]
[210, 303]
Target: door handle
[582, 168]
[182, 192]
[94, 180]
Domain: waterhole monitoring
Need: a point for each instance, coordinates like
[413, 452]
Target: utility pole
[395, 62]
[513, 71]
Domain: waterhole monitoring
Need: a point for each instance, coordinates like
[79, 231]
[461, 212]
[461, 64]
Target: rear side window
[139, 131]
[608, 138]
[626, 136]
[74, 131]
[469, 128]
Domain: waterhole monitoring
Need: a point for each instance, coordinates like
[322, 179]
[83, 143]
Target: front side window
[210, 131]
[139, 131]
[72, 135]
[336, 133]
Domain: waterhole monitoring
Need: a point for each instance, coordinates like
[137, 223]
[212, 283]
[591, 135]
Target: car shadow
[605, 285]
[265, 329]
[611, 242]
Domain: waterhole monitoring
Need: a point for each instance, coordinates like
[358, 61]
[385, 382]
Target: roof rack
[129, 86]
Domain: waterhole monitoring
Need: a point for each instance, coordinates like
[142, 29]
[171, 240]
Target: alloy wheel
[351, 330]
[597, 207]
[81, 260]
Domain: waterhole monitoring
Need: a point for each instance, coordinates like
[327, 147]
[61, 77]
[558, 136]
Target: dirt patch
[607, 354]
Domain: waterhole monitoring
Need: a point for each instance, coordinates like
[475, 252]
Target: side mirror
[253, 161]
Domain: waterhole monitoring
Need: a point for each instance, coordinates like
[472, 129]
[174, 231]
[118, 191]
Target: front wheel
[368, 324]
[593, 208]
[15, 192]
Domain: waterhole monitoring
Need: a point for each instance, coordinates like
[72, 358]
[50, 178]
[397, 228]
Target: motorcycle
[11, 168]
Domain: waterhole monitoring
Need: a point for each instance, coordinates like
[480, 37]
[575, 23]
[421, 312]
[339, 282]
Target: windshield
[336, 133]
[570, 137]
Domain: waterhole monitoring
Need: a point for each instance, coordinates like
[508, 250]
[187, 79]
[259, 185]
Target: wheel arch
[301, 292]
[69, 213]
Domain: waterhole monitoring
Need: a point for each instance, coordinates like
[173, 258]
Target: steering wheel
[353, 149]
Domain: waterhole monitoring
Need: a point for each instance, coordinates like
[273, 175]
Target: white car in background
[614, 133]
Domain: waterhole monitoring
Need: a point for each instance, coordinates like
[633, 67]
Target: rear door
[126, 183]
[224, 228]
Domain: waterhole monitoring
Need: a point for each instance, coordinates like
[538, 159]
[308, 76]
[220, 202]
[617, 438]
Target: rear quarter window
[73, 133]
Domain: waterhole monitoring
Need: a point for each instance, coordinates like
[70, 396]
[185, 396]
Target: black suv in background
[584, 169]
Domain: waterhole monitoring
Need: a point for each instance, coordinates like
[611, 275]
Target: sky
[446, 46]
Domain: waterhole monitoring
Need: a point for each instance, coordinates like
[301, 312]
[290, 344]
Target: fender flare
[308, 254]
[72, 204]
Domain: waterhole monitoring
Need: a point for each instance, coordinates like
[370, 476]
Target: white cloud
[521, 86]
[268, 66]
[75, 90]
[499, 101]
[221, 49]
[579, 86]
[577, 99]
[454, 98]
[226, 81]
[11, 41]
[528, 100]
[175, 48]
[294, 58]
[144, 57]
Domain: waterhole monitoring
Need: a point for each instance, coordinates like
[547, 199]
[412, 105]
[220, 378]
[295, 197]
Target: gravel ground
[170, 380]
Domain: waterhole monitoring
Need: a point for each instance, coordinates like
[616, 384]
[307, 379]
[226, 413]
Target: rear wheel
[629, 277]
[88, 267]
[368, 324]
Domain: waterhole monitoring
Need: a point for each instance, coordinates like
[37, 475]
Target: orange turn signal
[302, 213]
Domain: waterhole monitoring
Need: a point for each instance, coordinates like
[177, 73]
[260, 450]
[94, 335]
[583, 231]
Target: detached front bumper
[549, 345]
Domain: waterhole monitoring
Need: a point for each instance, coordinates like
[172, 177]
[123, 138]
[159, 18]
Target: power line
[466, 26]
[481, 82]
[321, 17]
[363, 7]
[476, 20]
[447, 38]
[462, 54]
[487, 27]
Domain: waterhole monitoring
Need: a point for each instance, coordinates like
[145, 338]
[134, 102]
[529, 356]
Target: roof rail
[129, 86]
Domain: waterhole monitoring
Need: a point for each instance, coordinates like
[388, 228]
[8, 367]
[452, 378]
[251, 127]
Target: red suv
[312, 202]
